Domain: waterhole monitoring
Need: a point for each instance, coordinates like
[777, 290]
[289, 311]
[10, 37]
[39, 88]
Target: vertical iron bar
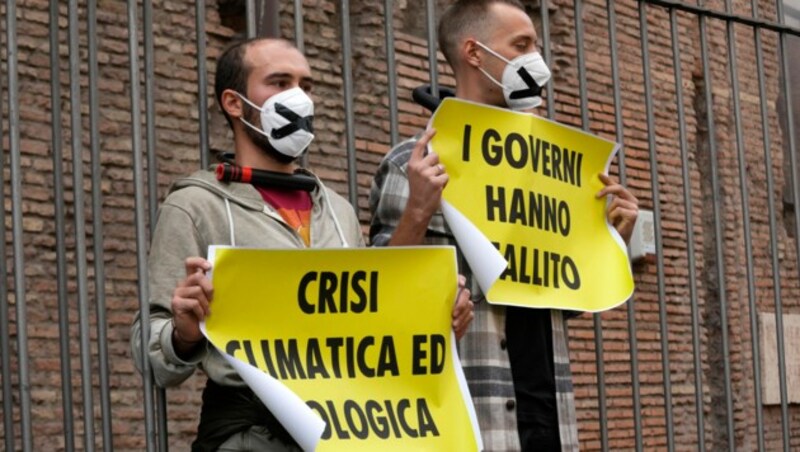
[299, 38]
[60, 216]
[748, 239]
[250, 11]
[596, 318]
[430, 16]
[152, 178]
[270, 14]
[388, 14]
[76, 134]
[623, 179]
[347, 81]
[5, 346]
[718, 232]
[149, 110]
[662, 308]
[5, 334]
[787, 88]
[299, 42]
[141, 245]
[97, 230]
[16, 224]
[5, 324]
[773, 240]
[548, 54]
[202, 82]
[754, 336]
[689, 218]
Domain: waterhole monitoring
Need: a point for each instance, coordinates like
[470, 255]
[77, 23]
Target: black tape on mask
[532, 90]
[296, 122]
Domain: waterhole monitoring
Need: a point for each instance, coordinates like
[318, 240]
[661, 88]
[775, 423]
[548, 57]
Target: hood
[240, 193]
[247, 196]
[243, 194]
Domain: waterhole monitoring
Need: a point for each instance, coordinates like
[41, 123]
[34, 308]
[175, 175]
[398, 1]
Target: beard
[253, 116]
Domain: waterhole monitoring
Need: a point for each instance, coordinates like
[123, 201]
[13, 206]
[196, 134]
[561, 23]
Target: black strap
[423, 96]
[228, 171]
[228, 410]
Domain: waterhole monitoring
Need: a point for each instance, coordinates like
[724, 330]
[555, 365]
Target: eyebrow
[279, 75]
[282, 75]
[524, 36]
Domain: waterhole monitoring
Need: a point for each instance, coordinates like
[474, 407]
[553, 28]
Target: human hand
[463, 309]
[623, 209]
[426, 180]
[190, 304]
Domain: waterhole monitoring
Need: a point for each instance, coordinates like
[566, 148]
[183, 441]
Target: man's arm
[172, 359]
[402, 204]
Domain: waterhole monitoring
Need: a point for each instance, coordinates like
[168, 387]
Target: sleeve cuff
[172, 356]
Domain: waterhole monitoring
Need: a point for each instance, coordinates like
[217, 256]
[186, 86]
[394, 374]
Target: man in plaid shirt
[516, 360]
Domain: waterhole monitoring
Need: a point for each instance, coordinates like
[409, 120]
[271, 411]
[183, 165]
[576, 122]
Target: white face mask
[286, 121]
[523, 79]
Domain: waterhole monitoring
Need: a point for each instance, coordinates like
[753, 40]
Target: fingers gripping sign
[623, 208]
[463, 309]
[191, 304]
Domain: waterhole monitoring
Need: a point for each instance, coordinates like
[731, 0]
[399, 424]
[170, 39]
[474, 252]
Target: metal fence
[766, 263]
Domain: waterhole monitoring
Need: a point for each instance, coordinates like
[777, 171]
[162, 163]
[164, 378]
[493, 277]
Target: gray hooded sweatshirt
[201, 211]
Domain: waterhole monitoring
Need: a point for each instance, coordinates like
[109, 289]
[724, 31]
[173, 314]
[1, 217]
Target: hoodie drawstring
[333, 215]
[230, 221]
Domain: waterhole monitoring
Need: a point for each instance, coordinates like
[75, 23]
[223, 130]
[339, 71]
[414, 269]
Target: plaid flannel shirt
[485, 361]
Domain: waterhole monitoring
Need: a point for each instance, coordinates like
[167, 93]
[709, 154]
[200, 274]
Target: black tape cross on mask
[532, 90]
[296, 122]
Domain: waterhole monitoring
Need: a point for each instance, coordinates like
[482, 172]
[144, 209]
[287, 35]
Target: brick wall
[177, 153]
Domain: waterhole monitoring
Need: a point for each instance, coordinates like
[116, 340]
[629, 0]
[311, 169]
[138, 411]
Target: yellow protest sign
[529, 185]
[362, 336]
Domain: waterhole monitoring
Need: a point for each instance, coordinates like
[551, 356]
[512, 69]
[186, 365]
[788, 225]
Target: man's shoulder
[192, 189]
[202, 187]
[401, 153]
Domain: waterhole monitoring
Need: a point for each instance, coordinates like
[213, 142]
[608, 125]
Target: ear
[232, 104]
[470, 52]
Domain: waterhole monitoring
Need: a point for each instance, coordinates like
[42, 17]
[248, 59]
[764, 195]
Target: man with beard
[261, 86]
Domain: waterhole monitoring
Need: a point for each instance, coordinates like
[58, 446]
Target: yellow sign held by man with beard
[528, 185]
[361, 338]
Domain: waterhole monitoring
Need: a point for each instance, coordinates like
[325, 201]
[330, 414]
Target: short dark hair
[465, 16]
[233, 71]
